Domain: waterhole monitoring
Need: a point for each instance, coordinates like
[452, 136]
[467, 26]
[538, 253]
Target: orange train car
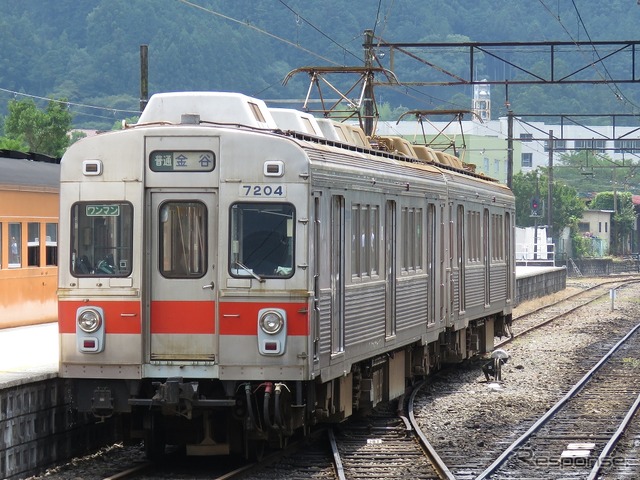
[29, 199]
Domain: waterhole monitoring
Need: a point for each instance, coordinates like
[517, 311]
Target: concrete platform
[28, 354]
[536, 282]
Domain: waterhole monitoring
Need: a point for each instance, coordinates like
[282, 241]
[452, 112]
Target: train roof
[19, 169]
[214, 107]
[238, 110]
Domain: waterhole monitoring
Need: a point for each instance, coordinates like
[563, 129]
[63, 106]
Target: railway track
[379, 446]
[543, 315]
[575, 437]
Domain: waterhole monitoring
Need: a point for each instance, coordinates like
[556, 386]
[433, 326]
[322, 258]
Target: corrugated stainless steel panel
[412, 303]
[364, 313]
[455, 277]
[325, 323]
[498, 280]
[474, 287]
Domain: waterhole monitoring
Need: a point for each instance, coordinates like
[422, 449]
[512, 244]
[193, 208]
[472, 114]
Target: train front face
[183, 292]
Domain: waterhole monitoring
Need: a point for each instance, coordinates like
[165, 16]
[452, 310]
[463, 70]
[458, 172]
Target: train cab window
[262, 240]
[101, 239]
[183, 227]
[15, 245]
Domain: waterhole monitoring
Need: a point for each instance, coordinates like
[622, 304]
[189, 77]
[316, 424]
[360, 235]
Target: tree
[40, 131]
[566, 205]
[590, 172]
[12, 144]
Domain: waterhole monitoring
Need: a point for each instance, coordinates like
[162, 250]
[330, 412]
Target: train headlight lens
[89, 321]
[271, 322]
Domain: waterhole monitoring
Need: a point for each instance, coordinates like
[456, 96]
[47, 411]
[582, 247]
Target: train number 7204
[263, 190]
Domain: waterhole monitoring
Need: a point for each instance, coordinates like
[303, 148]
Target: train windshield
[262, 240]
[101, 239]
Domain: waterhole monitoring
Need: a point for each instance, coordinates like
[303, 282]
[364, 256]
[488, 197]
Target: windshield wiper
[250, 271]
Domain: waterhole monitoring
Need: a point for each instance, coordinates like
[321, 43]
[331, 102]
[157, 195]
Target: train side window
[365, 232]
[262, 240]
[101, 239]
[411, 224]
[52, 244]
[15, 245]
[183, 242]
[33, 244]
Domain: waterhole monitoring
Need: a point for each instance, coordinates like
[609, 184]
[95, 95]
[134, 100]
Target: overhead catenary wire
[611, 84]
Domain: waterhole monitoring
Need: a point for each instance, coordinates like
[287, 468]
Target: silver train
[232, 274]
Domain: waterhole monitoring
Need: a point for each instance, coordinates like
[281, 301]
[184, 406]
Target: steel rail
[553, 410]
[337, 461]
[608, 448]
[574, 297]
[437, 462]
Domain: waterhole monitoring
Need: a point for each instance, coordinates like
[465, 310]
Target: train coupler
[176, 396]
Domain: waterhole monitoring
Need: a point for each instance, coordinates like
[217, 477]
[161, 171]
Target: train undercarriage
[213, 417]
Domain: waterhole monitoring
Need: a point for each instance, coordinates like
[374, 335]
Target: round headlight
[271, 322]
[89, 321]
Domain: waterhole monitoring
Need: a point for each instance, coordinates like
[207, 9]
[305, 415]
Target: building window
[526, 137]
[52, 243]
[15, 245]
[527, 159]
[33, 244]
[628, 146]
[557, 145]
[593, 145]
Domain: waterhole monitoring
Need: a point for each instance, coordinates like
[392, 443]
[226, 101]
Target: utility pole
[550, 184]
[368, 89]
[144, 76]
[509, 146]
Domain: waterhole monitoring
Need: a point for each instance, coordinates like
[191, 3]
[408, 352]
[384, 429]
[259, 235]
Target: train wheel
[154, 439]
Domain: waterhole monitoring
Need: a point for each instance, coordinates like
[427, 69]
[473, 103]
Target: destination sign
[182, 161]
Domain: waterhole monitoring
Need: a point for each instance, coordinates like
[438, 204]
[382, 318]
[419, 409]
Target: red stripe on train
[241, 318]
[120, 316]
[182, 317]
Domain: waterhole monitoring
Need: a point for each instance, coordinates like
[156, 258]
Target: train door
[486, 247]
[390, 267]
[445, 267]
[182, 258]
[431, 239]
[461, 260]
[337, 274]
[508, 250]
